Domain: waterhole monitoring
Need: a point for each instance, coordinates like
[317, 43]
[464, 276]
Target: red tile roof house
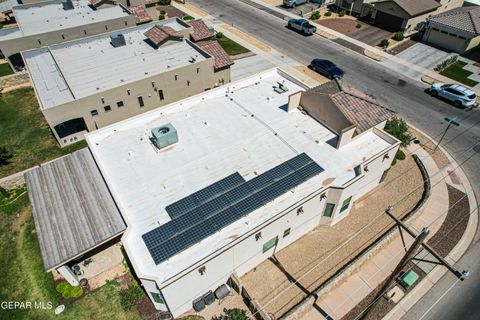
[457, 29]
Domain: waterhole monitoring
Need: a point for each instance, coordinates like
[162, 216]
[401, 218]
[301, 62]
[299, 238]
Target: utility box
[164, 136]
[408, 279]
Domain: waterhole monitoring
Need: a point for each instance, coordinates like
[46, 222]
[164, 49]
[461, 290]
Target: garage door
[388, 21]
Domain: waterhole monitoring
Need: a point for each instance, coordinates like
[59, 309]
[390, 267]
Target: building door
[388, 22]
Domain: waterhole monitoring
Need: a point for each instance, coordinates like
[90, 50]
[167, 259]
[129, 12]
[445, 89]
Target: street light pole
[450, 122]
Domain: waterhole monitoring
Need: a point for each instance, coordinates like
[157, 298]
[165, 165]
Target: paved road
[402, 94]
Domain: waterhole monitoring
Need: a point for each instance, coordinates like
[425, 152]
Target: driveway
[422, 55]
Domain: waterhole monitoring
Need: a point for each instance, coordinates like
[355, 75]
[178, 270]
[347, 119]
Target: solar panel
[210, 209]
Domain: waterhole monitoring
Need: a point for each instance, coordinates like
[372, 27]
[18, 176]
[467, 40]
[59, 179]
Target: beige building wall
[175, 85]
[13, 46]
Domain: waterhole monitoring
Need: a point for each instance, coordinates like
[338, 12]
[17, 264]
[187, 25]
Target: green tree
[315, 15]
[5, 156]
[236, 314]
[398, 128]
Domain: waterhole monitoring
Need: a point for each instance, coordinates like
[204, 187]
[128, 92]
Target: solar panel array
[210, 209]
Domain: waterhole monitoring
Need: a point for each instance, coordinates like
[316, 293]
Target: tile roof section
[465, 19]
[360, 109]
[141, 15]
[160, 34]
[200, 30]
[222, 59]
[415, 7]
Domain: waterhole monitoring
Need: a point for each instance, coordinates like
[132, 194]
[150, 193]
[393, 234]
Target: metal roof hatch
[67, 4]
[164, 136]
[117, 40]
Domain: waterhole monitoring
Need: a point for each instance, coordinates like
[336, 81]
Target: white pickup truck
[302, 26]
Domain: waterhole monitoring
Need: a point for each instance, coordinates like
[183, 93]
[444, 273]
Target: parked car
[293, 3]
[302, 26]
[455, 93]
[326, 68]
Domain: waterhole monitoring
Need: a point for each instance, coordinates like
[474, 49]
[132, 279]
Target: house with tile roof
[397, 15]
[456, 30]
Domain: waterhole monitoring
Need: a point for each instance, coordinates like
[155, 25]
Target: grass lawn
[24, 279]
[456, 72]
[231, 47]
[26, 134]
[5, 69]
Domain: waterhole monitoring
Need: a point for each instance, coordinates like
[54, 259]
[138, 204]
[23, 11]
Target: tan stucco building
[50, 22]
[86, 84]
[456, 30]
[398, 15]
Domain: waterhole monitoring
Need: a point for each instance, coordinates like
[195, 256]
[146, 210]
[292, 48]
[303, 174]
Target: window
[270, 244]
[39, 42]
[345, 204]
[106, 27]
[94, 113]
[198, 70]
[157, 297]
[463, 38]
[258, 236]
[85, 32]
[202, 270]
[286, 232]
[107, 108]
[140, 101]
[299, 211]
[160, 94]
[63, 36]
[126, 23]
[120, 104]
[329, 207]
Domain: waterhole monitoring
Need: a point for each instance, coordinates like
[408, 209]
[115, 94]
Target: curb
[424, 286]
[373, 55]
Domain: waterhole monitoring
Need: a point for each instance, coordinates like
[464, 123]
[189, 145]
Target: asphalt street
[400, 93]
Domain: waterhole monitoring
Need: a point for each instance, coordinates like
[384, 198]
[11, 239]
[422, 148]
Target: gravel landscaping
[428, 145]
[267, 280]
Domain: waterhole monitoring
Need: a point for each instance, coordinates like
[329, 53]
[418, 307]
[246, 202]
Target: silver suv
[460, 96]
[293, 3]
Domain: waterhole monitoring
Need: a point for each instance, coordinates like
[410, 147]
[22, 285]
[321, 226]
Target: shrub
[384, 43]
[219, 35]
[162, 12]
[394, 162]
[187, 17]
[5, 156]
[130, 297]
[3, 193]
[446, 63]
[342, 13]
[328, 14]
[164, 2]
[68, 291]
[358, 26]
[315, 15]
[398, 128]
[161, 17]
[398, 36]
[1, 25]
[400, 155]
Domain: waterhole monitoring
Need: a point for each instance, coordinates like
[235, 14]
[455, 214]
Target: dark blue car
[326, 68]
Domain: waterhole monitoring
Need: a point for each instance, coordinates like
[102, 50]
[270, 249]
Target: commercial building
[50, 22]
[457, 29]
[398, 15]
[213, 185]
[86, 84]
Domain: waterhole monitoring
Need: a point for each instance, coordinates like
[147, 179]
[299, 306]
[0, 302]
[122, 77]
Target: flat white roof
[49, 16]
[80, 68]
[217, 137]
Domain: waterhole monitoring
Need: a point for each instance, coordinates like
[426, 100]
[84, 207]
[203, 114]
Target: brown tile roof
[222, 59]
[360, 109]
[464, 19]
[415, 7]
[159, 34]
[200, 30]
[141, 15]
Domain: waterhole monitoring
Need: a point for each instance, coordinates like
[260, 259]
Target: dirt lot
[274, 277]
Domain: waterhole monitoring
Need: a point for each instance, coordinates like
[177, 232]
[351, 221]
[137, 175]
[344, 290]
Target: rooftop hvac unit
[67, 4]
[164, 136]
[117, 40]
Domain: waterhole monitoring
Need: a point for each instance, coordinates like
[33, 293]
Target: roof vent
[67, 4]
[117, 40]
[164, 136]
